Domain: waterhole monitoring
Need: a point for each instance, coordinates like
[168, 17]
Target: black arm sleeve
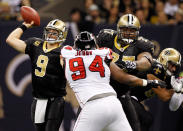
[108, 61]
[157, 70]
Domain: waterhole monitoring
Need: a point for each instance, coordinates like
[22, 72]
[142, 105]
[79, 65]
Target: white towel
[40, 110]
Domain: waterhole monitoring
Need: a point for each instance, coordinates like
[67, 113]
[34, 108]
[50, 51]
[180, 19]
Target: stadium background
[15, 79]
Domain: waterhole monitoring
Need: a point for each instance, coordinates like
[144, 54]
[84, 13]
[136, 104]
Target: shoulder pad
[67, 51]
[108, 32]
[156, 63]
[145, 45]
[105, 38]
[68, 47]
[33, 40]
[157, 68]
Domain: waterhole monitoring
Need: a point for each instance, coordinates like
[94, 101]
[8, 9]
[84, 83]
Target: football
[29, 14]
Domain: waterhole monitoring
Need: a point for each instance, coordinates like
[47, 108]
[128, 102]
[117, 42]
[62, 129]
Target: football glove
[156, 83]
[176, 101]
[177, 84]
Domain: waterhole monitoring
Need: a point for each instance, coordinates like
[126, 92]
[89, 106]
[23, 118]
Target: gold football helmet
[128, 28]
[60, 27]
[170, 55]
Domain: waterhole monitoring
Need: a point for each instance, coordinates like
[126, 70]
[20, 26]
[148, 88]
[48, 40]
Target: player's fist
[156, 83]
[28, 25]
[128, 65]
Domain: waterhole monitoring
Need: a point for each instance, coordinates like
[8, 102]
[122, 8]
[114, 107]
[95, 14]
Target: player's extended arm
[144, 60]
[142, 63]
[122, 77]
[14, 38]
[162, 93]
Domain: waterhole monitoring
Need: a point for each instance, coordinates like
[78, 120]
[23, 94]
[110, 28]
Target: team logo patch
[36, 43]
[167, 52]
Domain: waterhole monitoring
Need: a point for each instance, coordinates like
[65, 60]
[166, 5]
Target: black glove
[128, 65]
[155, 83]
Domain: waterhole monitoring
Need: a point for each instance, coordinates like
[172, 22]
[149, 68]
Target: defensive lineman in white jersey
[91, 75]
[88, 71]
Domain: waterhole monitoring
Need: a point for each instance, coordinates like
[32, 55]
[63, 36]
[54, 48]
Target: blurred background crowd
[157, 12]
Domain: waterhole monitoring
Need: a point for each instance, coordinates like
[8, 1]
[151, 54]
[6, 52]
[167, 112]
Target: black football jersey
[157, 70]
[108, 38]
[48, 77]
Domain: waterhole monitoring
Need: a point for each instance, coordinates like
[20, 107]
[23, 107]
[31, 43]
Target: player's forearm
[133, 81]
[143, 65]
[163, 93]
[144, 61]
[122, 77]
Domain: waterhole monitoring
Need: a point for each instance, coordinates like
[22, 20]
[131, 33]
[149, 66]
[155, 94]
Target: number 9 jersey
[86, 72]
[48, 78]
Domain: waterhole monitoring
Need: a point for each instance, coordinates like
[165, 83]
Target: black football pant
[53, 117]
[138, 117]
[145, 117]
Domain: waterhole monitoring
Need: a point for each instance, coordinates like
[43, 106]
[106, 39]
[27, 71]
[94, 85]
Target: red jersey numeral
[76, 65]
[97, 66]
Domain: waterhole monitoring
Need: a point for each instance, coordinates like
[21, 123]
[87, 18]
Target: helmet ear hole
[161, 59]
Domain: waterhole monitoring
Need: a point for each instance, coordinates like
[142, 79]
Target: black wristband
[23, 27]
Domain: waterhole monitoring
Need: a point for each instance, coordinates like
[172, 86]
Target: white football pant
[104, 114]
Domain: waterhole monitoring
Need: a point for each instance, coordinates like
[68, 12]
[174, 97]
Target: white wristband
[144, 82]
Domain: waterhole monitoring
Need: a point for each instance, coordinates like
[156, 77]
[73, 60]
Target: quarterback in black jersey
[48, 77]
[130, 52]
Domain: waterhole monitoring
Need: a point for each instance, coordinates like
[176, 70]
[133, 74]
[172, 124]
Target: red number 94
[76, 65]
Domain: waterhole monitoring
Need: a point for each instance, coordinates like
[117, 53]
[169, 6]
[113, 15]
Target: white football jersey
[86, 72]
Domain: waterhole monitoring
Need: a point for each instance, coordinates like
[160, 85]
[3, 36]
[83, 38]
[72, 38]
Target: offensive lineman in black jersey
[48, 77]
[132, 53]
[166, 66]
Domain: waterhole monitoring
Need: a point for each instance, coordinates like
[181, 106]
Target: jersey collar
[48, 50]
[118, 46]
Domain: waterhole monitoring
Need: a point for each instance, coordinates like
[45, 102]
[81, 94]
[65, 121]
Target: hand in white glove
[176, 101]
[176, 84]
